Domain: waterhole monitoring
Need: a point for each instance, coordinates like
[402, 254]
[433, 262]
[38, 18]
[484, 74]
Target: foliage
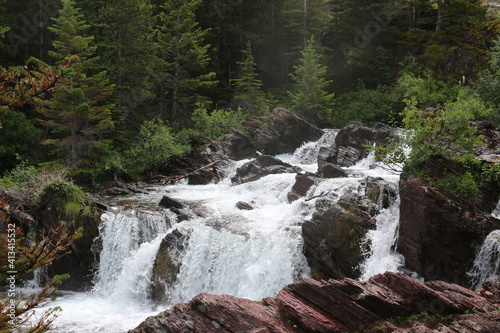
[77, 113]
[249, 95]
[218, 124]
[164, 57]
[31, 253]
[154, 147]
[366, 105]
[128, 52]
[18, 138]
[444, 131]
[22, 176]
[426, 90]
[183, 53]
[20, 85]
[310, 97]
[488, 84]
[68, 198]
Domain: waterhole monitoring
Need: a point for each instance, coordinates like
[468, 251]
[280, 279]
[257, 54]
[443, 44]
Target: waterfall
[382, 255]
[223, 250]
[128, 242]
[486, 265]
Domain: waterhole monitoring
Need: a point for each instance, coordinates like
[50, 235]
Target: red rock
[337, 306]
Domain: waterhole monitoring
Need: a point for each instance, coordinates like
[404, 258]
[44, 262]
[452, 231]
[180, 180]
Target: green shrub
[366, 105]
[217, 124]
[22, 176]
[154, 147]
[60, 191]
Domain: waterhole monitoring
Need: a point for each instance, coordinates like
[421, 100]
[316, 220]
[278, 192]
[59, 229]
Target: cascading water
[487, 262]
[382, 255]
[245, 253]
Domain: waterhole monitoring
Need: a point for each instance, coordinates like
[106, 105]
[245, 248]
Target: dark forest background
[117, 88]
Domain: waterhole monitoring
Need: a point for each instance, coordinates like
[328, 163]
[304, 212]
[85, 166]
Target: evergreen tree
[77, 113]
[304, 18]
[310, 98]
[488, 84]
[249, 93]
[128, 51]
[183, 60]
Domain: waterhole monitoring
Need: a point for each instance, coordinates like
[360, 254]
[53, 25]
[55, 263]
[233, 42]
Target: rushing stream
[245, 253]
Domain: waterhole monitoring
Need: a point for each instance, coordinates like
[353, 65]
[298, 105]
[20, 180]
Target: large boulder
[303, 182]
[260, 167]
[337, 306]
[333, 237]
[351, 144]
[167, 265]
[439, 234]
[280, 132]
[332, 241]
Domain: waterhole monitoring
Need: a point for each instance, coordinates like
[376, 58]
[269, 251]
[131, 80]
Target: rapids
[245, 253]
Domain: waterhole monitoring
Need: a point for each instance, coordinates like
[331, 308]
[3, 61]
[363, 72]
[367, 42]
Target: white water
[486, 265]
[382, 256]
[251, 254]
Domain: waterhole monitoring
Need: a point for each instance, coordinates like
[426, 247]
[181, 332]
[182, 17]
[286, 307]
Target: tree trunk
[439, 15]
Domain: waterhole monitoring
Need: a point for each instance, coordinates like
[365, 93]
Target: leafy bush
[23, 174]
[217, 124]
[154, 147]
[427, 91]
[366, 105]
[17, 138]
[444, 131]
[60, 191]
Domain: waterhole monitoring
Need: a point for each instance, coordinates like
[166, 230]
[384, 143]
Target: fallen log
[176, 178]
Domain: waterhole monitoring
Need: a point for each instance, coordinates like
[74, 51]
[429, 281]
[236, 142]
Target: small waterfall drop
[128, 243]
[487, 263]
[382, 241]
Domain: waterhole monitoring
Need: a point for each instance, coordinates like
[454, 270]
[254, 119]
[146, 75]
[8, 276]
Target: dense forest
[111, 89]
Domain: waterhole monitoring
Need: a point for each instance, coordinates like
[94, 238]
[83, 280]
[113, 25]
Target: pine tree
[77, 114]
[183, 60]
[249, 93]
[128, 51]
[310, 98]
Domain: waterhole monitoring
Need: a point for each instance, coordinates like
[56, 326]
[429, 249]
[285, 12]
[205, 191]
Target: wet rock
[329, 170]
[332, 240]
[203, 177]
[303, 182]
[117, 191]
[351, 144]
[79, 262]
[243, 205]
[439, 235]
[336, 306]
[170, 203]
[378, 191]
[240, 146]
[260, 167]
[167, 265]
[280, 132]
[491, 151]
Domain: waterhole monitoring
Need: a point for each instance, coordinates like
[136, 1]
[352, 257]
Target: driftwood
[176, 178]
[323, 194]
